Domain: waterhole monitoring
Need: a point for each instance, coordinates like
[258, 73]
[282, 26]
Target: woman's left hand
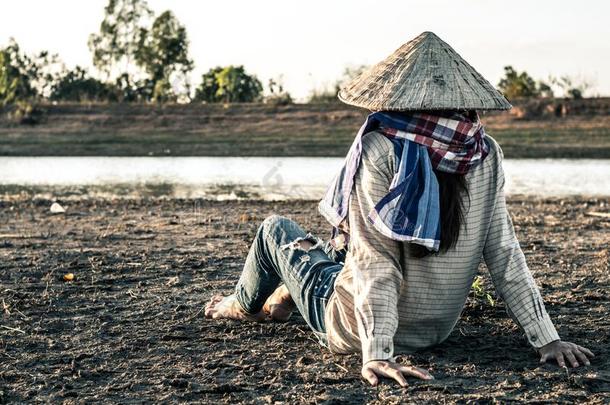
[563, 352]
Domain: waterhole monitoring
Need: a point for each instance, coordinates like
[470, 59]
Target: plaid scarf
[422, 142]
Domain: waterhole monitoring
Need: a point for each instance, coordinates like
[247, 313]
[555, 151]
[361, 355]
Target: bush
[230, 84]
[163, 53]
[76, 85]
[518, 84]
[134, 91]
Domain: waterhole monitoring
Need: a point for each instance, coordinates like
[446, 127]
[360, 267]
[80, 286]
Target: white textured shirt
[387, 301]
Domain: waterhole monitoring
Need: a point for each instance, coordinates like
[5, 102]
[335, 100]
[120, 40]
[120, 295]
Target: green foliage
[236, 86]
[16, 75]
[230, 84]
[77, 85]
[163, 53]
[134, 91]
[24, 78]
[515, 84]
[479, 291]
[521, 85]
[149, 62]
[115, 46]
[208, 89]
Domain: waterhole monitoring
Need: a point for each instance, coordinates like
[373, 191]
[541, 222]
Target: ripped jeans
[275, 257]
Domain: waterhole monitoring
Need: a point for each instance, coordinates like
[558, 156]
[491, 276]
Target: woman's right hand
[375, 369]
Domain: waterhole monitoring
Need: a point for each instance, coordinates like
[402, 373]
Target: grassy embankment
[262, 130]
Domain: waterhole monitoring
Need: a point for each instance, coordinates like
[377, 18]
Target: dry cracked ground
[130, 328]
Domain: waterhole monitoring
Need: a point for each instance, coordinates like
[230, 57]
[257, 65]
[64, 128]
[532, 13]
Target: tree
[236, 86]
[130, 90]
[22, 80]
[208, 88]
[230, 84]
[515, 84]
[24, 77]
[115, 46]
[16, 75]
[77, 85]
[163, 53]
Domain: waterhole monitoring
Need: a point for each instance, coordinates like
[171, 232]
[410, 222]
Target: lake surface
[266, 178]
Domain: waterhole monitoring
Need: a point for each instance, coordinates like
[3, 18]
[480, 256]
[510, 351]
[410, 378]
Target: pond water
[261, 177]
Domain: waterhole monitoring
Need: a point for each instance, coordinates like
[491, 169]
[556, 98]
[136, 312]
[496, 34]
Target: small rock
[57, 209]
[173, 281]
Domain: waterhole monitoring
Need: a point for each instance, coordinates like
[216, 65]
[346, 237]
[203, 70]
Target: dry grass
[263, 130]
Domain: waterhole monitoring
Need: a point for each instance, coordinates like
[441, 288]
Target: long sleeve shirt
[387, 301]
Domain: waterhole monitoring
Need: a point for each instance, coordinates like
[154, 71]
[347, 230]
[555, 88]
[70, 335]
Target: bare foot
[227, 307]
[279, 305]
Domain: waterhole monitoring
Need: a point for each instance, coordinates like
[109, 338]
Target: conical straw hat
[423, 74]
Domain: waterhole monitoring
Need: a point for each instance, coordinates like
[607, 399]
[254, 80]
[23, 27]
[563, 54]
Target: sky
[310, 43]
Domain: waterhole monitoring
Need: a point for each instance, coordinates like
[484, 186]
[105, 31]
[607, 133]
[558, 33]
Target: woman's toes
[217, 298]
[210, 307]
[209, 312]
[227, 307]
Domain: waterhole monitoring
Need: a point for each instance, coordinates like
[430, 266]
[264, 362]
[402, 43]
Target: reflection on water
[266, 178]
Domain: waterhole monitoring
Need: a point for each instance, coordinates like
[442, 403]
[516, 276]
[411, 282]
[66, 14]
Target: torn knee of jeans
[305, 243]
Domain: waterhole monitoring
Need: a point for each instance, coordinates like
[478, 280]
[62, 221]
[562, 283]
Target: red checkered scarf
[455, 142]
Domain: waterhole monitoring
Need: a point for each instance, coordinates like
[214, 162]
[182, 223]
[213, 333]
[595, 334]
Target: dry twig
[13, 329]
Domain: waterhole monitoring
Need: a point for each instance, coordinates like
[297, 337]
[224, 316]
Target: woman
[417, 205]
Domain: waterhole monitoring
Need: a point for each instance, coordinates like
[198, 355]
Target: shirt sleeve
[511, 276]
[373, 258]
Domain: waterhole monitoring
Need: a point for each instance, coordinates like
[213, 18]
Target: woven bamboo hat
[423, 74]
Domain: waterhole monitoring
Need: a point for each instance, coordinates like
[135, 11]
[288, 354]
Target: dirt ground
[130, 326]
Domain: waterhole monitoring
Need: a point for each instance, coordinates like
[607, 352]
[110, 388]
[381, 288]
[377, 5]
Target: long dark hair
[452, 187]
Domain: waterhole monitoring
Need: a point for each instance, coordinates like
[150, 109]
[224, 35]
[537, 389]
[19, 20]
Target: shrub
[230, 84]
[76, 85]
[518, 84]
